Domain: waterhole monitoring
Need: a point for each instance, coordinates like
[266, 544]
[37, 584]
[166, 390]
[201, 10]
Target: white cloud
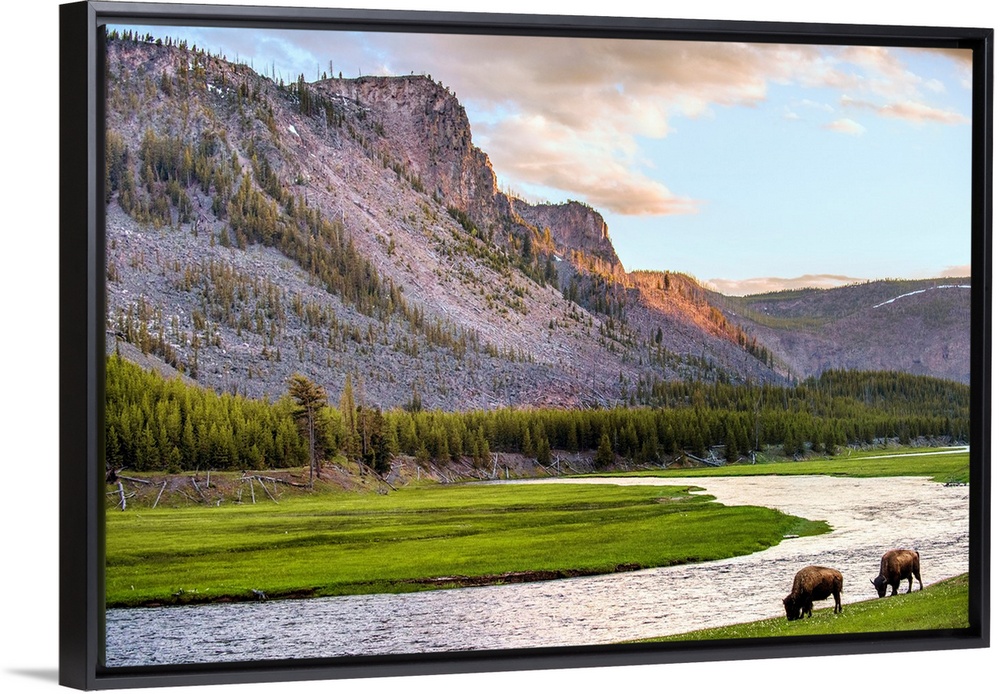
[935, 85]
[846, 126]
[819, 106]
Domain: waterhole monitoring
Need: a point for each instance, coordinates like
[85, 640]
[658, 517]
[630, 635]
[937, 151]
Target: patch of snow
[293, 131]
[921, 291]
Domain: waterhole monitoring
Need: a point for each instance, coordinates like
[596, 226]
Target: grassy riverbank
[944, 605]
[941, 467]
[335, 543]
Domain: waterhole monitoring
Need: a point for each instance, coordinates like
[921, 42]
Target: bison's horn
[871, 581]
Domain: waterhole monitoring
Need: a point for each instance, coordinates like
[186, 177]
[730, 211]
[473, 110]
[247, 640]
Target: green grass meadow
[342, 543]
[944, 605]
[940, 467]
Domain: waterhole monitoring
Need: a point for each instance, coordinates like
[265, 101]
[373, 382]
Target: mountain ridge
[917, 326]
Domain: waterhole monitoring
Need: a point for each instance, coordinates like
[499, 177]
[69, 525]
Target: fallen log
[200, 493]
[135, 479]
[378, 477]
[281, 481]
[264, 487]
[706, 461]
[160, 494]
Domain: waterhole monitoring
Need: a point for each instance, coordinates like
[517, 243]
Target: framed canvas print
[399, 342]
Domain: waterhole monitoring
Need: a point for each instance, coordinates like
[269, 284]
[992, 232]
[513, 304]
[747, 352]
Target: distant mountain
[350, 228]
[917, 326]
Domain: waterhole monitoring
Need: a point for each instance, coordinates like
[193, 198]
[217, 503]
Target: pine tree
[732, 451]
[377, 456]
[352, 441]
[543, 453]
[605, 456]
[310, 397]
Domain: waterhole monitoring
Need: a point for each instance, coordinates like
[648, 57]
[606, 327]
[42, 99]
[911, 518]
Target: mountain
[917, 326]
[350, 228]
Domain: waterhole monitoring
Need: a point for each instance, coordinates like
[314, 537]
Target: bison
[898, 564]
[813, 583]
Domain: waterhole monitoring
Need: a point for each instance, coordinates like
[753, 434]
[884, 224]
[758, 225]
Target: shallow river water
[868, 516]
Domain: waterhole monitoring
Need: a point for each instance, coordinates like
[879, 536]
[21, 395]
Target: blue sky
[751, 167]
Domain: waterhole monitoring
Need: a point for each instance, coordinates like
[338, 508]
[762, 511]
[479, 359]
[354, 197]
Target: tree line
[153, 423]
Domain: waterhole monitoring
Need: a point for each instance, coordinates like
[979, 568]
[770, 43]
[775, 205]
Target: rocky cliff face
[426, 128]
[574, 227]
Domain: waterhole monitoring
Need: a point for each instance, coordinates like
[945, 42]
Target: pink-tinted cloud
[960, 57]
[956, 271]
[535, 152]
[882, 72]
[921, 113]
[761, 285]
[908, 110]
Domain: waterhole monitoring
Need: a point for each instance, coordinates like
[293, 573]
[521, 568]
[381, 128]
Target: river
[868, 516]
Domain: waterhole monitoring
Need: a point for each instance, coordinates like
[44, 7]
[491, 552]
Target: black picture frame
[82, 340]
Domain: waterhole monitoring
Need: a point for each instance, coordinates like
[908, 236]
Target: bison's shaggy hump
[898, 564]
[810, 584]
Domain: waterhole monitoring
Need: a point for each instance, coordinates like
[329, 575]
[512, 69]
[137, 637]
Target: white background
[29, 353]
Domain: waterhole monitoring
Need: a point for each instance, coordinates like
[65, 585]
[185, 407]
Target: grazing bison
[813, 583]
[898, 564]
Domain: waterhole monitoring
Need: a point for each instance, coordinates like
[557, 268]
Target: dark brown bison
[898, 564]
[813, 583]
